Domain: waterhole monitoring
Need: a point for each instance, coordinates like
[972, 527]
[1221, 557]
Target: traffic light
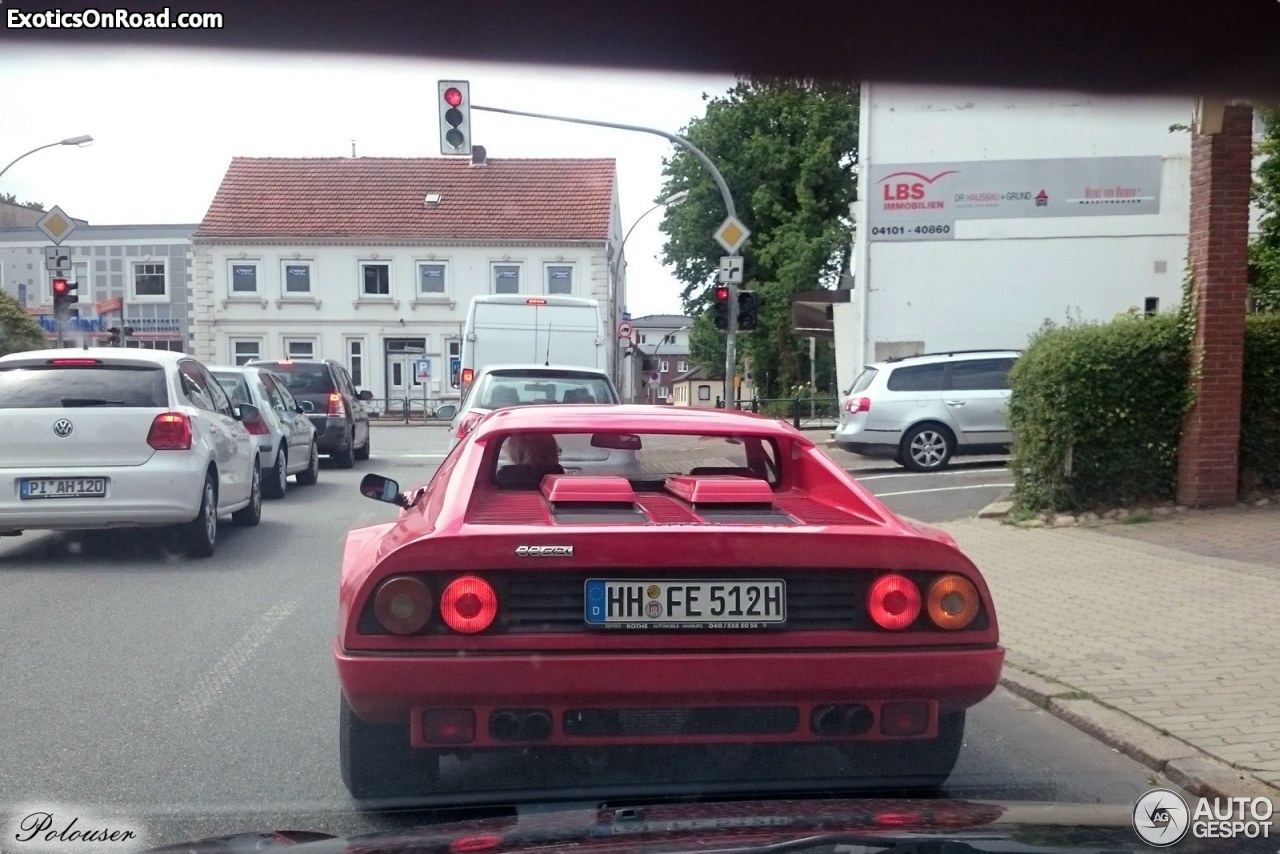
[722, 308]
[64, 296]
[748, 310]
[116, 339]
[455, 117]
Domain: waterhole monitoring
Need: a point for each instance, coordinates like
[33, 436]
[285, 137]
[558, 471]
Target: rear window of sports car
[62, 386]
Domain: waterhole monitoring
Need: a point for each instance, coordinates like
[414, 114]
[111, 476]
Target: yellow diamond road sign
[56, 225]
[731, 234]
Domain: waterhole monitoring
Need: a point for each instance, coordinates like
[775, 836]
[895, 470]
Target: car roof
[111, 354]
[632, 418]
[530, 366]
[943, 356]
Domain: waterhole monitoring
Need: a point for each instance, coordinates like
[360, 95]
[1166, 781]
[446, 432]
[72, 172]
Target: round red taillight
[893, 602]
[402, 605]
[469, 604]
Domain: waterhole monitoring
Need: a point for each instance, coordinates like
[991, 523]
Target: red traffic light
[452, 96]
[59, 286]
[722, 294]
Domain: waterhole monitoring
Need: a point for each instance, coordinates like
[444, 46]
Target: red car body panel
[843, 532]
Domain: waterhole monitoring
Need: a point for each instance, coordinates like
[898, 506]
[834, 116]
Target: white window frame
[234, 356]
[134, 296]
[391, 277]
[288, 340]
[363, 356]
[663, 392]
[663, 366]
[546, 277]
[310, 293]
[418, 292]
[682, 366]
[254, 294]
[493, 277]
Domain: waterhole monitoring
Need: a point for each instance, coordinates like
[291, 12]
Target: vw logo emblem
[62, 428]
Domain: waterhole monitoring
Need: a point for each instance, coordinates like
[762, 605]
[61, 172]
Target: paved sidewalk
[1173, 623]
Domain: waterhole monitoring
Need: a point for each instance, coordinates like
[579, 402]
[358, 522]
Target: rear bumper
[331, 435]
[857, 439]
[574, 687]
[165, 490]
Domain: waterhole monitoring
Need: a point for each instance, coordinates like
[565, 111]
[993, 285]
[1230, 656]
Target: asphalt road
[196, 698]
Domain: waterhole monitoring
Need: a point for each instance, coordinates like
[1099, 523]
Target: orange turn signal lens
[953, 602]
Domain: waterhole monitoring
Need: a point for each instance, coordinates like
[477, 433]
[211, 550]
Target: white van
[532, 330]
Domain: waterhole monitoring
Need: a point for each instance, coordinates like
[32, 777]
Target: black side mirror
[381, 488]
[306, 406]
[246, 412]
[365, 395]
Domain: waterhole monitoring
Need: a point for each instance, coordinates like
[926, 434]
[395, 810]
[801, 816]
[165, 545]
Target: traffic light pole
[730, 345]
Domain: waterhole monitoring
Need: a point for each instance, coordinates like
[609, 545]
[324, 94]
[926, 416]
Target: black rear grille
[553, 601]
[707, 721]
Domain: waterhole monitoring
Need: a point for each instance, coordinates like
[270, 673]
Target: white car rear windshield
[61, 386]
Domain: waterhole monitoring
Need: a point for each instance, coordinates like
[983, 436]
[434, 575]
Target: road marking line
[416, 456]
[943, 489]
[198, 700]
[854, 472]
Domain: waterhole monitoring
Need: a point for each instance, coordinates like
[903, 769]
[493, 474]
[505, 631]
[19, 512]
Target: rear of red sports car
[672, 578]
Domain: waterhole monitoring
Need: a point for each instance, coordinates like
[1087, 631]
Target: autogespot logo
[1161, 818]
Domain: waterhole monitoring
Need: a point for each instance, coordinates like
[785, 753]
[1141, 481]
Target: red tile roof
[382, 197]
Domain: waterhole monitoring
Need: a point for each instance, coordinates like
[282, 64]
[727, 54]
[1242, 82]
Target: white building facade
[386, 292]
[983, 213]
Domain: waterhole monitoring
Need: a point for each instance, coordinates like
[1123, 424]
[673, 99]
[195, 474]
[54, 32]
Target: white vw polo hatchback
[108, 437]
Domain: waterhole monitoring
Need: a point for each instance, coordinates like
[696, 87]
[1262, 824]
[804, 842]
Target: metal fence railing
[803, 413]
[410, 409]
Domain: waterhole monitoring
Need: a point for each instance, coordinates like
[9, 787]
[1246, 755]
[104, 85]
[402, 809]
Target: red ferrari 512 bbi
[584, 578]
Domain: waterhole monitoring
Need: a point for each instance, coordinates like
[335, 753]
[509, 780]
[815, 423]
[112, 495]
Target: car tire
[378, 762]
[927, 447]
[251, 513]
[199, 536]
[911, 766]
[362, 452]
[277, 481]
[345, 458]
[309, 475]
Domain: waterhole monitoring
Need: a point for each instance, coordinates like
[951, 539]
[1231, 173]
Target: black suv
[325, 392]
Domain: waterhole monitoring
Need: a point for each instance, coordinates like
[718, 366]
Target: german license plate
[62, 487]
[692, 604]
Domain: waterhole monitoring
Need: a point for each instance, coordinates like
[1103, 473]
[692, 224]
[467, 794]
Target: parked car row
[112, 438]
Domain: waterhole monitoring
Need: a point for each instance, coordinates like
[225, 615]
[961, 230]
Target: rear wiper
[90, 401]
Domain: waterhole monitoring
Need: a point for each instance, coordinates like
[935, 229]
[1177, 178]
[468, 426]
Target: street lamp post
[616, 270]
[669, 337]
[82, 140]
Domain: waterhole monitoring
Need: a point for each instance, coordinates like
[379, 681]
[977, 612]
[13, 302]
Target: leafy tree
[10, 198]
[1264, 249]
[788, 151]
[18, 330]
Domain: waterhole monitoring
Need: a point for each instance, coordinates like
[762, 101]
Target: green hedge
[1096, 412]
[1260, 403]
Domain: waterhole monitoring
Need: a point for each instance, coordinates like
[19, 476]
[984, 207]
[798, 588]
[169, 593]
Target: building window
[704, 392]
[245, 350]
[244, 279]
[355, 360]
[682, 366]
[506, 278]
[297, 279]
[454, 347]
[377, 280]
[431, 279]
[664, 366]
[300, 348]
[560, 279]
[662, 392]
[149, 280]
[643, 340]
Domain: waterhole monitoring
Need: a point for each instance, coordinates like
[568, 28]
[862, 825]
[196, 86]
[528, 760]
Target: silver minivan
[923, 410]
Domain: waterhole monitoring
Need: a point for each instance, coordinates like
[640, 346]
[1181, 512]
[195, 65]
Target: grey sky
[166, 123]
